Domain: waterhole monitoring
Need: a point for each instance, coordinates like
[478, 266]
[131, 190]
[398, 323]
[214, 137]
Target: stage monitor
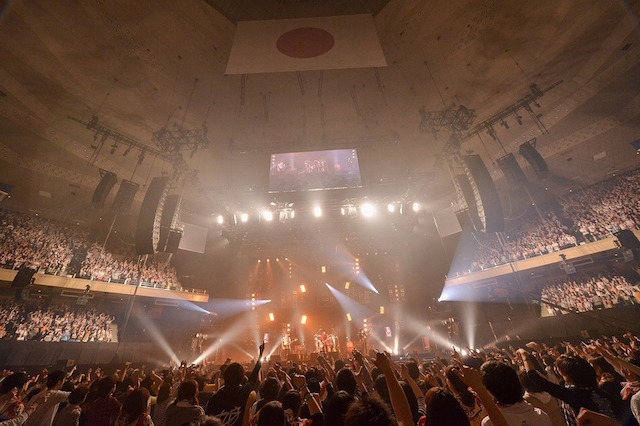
[314, 170]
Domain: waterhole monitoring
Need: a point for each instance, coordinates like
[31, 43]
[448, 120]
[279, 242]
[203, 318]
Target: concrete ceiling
[140, 65]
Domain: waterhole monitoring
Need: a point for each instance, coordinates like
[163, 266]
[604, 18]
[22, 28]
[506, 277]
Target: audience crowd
[587, 215]
[587, 293]
[60, 323]
[103, 266]
[605, 207]
[525, 237]
[595, 382]
[49, 247]
[41, 244]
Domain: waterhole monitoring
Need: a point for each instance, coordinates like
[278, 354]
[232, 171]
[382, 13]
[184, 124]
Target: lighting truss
[181, 139]
[452, 119]
[180, 167]
[512, 110]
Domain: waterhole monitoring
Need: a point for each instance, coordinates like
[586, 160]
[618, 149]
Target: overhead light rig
[180, 168]
[513, 110]
[452, 119]
[181, 139]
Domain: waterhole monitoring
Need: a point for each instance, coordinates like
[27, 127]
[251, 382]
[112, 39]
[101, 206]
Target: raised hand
[470, 376]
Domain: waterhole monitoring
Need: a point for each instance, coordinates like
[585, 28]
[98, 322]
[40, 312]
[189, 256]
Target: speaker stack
[169, 234]
[485, 197]
[148, 228]
[530, 153]
[512, 171]
[103, 189]
[467, 193]
[124, 197]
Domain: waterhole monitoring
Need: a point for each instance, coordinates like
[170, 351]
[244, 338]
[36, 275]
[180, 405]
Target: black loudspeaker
[485, 194]
[148, 229]
[293, 357]
[103, 189]
[169, 220]
[275, 358]
[512, 171]
[23, 277]
[530, 153]
[467, 193]
[124, 197]
[173, 241]
[627, 239]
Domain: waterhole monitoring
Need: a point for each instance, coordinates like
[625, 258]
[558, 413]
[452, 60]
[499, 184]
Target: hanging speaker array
[124, 197]
[485, 196]
[169, 223]
[530, 153]
[148, 228]
[107, 181]
[512, 172]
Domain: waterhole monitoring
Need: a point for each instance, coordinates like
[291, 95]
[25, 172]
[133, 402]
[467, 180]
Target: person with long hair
[164, 399]
[442, 408]
[186, 407]
[134, 409]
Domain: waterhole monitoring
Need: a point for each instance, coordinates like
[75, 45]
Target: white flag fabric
[305, 44]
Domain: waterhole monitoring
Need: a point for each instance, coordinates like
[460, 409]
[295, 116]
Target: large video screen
[314, 170]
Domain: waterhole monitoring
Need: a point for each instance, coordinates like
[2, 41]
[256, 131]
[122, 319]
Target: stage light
[259, 260]
[381, 310]
[244, 217]
[272, 317]
[268, 260]
[464, 352]
[416, 206]
[303, 289]
[323, 269]
[267, 215]
[292, 214]
[220, 219]
[348, 317]
[317, 211]
[368, 210]
[303, 320]
[343, 211]
[347, 285]
[391, 208]
[277, 259]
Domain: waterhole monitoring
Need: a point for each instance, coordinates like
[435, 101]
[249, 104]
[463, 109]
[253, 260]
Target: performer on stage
[318, 340]
[286, 347]
[362, 336]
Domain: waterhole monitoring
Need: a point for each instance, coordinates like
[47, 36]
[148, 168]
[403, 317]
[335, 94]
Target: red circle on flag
[307, 42]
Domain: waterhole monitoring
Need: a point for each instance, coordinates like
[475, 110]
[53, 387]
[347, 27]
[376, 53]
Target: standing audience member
[185, 408]
[134, 409]
[45, 413]
[70, 415]
[105, 409]
[503, 383]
